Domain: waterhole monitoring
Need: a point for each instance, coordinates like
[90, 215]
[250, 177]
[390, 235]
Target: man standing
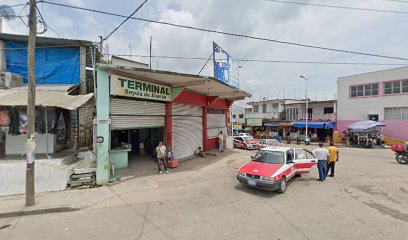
[333, 158]
[161, 154]
[221, 142]
[322, 156]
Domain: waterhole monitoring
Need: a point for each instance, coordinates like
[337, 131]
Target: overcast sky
[373, 32]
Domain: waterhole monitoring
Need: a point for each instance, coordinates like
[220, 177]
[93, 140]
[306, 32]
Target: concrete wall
[16, 144]
[48, 176]
[351, 110]
[359, 108]
[128, 63]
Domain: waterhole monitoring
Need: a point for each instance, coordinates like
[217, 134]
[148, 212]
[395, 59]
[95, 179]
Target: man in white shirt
[161, 154]
[322, 156]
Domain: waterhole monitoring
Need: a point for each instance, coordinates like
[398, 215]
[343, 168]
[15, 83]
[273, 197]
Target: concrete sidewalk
[75, 199]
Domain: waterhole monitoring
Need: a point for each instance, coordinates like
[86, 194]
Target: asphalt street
[367, 199]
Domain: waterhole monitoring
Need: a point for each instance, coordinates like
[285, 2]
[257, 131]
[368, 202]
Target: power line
[131, 15]
[337, 6]
[229, 33]
[264, 61]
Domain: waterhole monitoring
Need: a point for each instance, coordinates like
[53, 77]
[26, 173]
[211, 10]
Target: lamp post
[307, 108]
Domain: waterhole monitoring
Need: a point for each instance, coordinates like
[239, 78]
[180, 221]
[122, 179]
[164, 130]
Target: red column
[226, 120]
[205, 133]
[169, 124]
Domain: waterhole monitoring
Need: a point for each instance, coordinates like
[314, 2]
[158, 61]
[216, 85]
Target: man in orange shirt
[333, 158]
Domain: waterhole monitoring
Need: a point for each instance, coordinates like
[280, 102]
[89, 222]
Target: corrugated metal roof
[13, 97]
[50, 87]
[45, 41]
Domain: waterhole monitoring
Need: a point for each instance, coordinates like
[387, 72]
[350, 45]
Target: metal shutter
[187, 130]
[136, 114]
[216, 120]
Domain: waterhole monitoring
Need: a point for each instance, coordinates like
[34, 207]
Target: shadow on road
[259, 192]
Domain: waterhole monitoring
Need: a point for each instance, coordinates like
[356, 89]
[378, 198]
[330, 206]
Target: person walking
[161, 154]
[221, 142]
[333, 158]
[322, 156]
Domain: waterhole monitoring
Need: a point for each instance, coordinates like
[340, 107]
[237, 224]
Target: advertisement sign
[225, 68]
[128, 87]
[254, 122]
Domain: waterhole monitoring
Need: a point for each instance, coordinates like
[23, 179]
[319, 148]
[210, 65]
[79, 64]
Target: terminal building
[138, 107]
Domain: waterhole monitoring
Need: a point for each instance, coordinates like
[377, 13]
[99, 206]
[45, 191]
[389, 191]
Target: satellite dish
[7, 12]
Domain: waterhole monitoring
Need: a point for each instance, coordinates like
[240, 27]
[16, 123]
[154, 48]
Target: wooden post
[30, 145]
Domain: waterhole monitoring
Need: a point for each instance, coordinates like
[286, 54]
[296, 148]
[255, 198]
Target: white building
[238, 115]
[380, 96]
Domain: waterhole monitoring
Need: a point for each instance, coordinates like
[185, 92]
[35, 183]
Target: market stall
[365, 134]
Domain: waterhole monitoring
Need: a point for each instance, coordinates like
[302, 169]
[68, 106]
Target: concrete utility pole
[307, 107]
[30, 145]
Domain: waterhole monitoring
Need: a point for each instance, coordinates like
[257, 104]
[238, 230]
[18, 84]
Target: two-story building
[380, 96]
[287, 117]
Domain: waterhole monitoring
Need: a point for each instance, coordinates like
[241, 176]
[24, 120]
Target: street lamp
[307, 108]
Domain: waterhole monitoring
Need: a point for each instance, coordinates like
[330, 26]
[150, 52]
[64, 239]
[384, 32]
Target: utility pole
[30, 145]
[307, 107]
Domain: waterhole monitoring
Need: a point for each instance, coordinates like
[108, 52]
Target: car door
[236, 142]
[303, 161]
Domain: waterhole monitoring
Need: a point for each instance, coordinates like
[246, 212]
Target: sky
[362, 31]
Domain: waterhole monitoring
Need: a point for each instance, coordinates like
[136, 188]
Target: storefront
[54, 126]
[137, 108]
[318, 131]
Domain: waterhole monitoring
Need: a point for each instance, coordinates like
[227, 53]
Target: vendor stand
[364, 134]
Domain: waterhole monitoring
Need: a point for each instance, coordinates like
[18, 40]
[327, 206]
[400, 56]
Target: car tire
[282, 185]
[245, 147]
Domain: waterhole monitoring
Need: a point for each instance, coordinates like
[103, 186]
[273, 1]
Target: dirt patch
[370, 190]
[388, 211]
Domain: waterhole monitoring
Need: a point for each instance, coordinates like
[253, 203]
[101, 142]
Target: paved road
[368, 199]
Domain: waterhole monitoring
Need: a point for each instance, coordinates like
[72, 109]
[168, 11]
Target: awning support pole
[46, 131]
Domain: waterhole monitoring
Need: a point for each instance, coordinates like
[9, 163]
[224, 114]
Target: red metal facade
[205, 102]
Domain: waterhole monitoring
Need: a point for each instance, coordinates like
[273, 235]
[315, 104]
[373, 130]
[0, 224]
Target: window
[300, 154]
[263, 108]
[241, 116]
[289, 156]
[395, 87]
[309, 155]
[399, 113]
[366, 90]
[275, 106]
[256, 108]
[234, 116]
[270, 157]
[328, 110]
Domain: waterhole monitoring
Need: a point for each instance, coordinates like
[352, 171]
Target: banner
[254, 122]
[127, 87]
[225, 68]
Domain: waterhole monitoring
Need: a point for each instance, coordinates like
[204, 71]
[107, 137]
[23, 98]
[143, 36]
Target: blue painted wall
[53, 65]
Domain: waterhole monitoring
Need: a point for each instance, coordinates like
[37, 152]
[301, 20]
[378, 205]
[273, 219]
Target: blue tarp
[271, 124]
[52, 65]
[326, 125]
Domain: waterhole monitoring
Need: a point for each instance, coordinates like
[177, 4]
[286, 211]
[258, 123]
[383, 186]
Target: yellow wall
[390, 140]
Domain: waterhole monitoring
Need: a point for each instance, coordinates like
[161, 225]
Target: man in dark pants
[161, 154]
[322, 156]
[333, 158]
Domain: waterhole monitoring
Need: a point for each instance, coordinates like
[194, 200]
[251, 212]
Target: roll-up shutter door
[215, 124]
[136, 114]
[187, 130]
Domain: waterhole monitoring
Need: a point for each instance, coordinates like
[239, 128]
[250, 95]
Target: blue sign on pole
[225, 68]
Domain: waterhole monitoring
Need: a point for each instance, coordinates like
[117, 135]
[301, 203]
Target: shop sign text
[121, 86]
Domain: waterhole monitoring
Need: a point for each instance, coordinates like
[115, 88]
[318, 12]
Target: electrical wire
[339, 7]
[263, 60]
[131, 15]
[228, 33]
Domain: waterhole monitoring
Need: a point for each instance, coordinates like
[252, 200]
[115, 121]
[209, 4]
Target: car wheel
[282, 185]
[246, 147]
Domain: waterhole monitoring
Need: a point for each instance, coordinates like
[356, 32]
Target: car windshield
[271, 157]
[247, 139]
[273, 142]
